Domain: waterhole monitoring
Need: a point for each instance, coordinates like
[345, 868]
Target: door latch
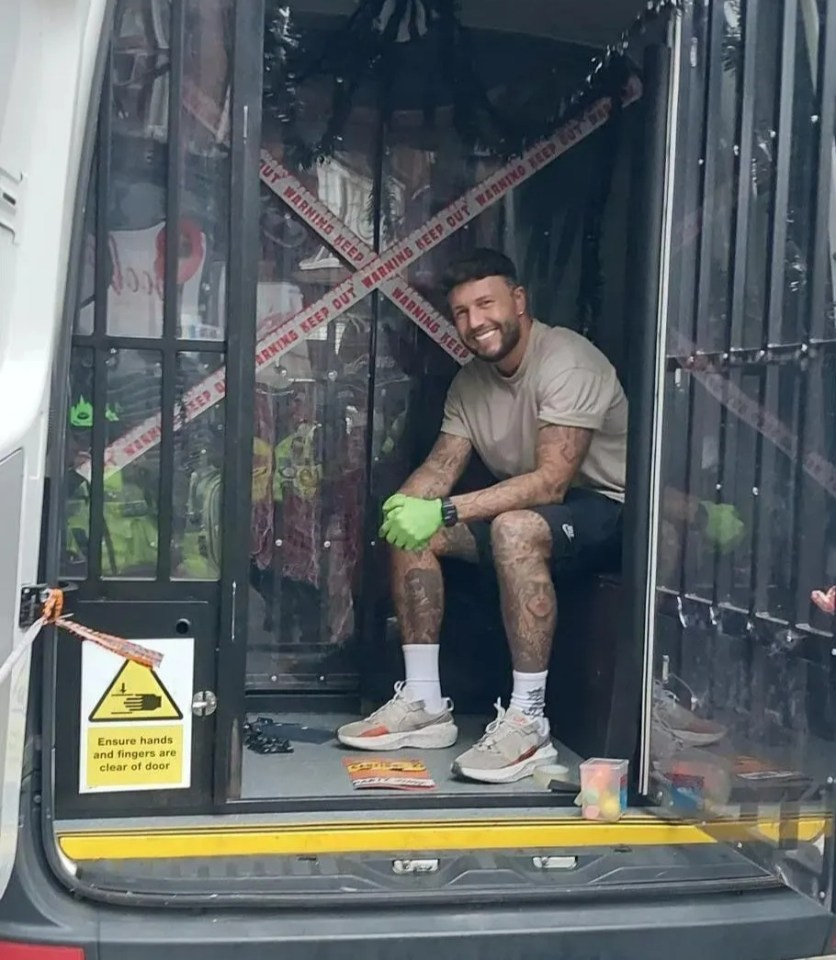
[204, 703]
[34, 596]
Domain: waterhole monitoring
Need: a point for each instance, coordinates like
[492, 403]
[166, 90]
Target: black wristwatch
[449, 513]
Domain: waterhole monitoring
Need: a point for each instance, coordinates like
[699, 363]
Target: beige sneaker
[402, 723]
[671, 719]
[513, 746]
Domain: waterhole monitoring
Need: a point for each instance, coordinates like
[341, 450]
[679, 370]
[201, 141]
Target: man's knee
[455, 542]
[520, 533]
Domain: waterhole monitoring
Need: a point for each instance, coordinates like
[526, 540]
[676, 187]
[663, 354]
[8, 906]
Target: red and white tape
[350, 247]
[382, 269]
[821, 470]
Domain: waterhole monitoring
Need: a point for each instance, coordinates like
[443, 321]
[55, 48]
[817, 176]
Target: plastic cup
[603, 789]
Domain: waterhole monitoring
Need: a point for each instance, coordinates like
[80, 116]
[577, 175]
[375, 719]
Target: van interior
[260, 508]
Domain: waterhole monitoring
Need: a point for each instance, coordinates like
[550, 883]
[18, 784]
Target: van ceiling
[593, 22]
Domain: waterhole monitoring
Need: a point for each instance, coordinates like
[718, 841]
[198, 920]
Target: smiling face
[491, 318]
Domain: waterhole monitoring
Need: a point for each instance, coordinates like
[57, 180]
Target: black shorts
[586, 533]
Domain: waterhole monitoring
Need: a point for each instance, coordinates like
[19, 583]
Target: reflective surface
[343, 417]
[311, 422]
[744, 683]
[75, 540]
[204, 223]
[197, 531]
[140, 176]
[130, 547]
[136, 188]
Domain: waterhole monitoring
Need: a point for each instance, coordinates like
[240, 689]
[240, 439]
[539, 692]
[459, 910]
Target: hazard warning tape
[337, 235]
[818, 467]
[344, 242]
[382, 269]
[441, 227]
[53, 607]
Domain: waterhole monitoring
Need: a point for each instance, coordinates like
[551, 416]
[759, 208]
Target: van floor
[316, 767]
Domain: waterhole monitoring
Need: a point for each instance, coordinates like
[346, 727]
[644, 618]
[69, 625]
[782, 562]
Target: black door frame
[219, 607]
[240, 395]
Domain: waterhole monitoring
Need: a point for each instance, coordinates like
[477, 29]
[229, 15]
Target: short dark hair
[476, 265]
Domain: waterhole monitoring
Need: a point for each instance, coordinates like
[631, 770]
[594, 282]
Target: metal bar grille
[369, 599]
[143, 343]
[766, 457]
[695, 176]
[758, 389]
[743, 173]
[732, 476]
[102, 283]
[822, 182]
[171, 302]
[778, 234]
[806, 539]
[693, 569]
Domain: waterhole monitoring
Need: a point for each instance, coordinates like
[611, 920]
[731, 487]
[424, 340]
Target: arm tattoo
[560, 453]
[456, 542]
[438, 474]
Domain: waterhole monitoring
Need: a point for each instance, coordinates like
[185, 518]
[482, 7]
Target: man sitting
[545, 411]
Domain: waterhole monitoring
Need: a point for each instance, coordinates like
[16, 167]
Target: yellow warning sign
[135, 693]
[120, 757]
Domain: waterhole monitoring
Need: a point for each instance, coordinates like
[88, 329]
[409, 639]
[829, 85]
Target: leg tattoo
[419, 602]
[521, 543]
[418, 586]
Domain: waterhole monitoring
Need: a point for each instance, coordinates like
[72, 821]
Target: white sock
[530, 693]
[422, 681]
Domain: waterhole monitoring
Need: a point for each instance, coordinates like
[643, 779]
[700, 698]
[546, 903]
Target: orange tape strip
[53, 606]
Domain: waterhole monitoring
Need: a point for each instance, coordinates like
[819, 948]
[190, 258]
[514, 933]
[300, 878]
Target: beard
[507, 335]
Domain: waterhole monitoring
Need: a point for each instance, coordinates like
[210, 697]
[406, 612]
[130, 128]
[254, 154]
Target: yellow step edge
[410, 837]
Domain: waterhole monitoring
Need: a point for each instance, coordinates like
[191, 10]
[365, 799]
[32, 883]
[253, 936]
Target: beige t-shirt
[563, 379]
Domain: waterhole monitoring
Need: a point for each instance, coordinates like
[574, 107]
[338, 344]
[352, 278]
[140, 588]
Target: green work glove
[396, 500]
[409, 522]
[723, 526]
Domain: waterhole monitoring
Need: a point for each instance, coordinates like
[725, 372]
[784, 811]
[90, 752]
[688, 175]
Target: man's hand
[409, 522]
[825, 601]
[723, 526]
[396, 500]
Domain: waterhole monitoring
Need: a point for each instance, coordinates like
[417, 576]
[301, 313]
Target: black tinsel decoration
[282, 50]
[731, 47]
[411, 18]
[367, 48]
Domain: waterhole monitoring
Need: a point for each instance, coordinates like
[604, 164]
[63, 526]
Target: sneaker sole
[516, 771]
[437, 737]
[692, 739]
